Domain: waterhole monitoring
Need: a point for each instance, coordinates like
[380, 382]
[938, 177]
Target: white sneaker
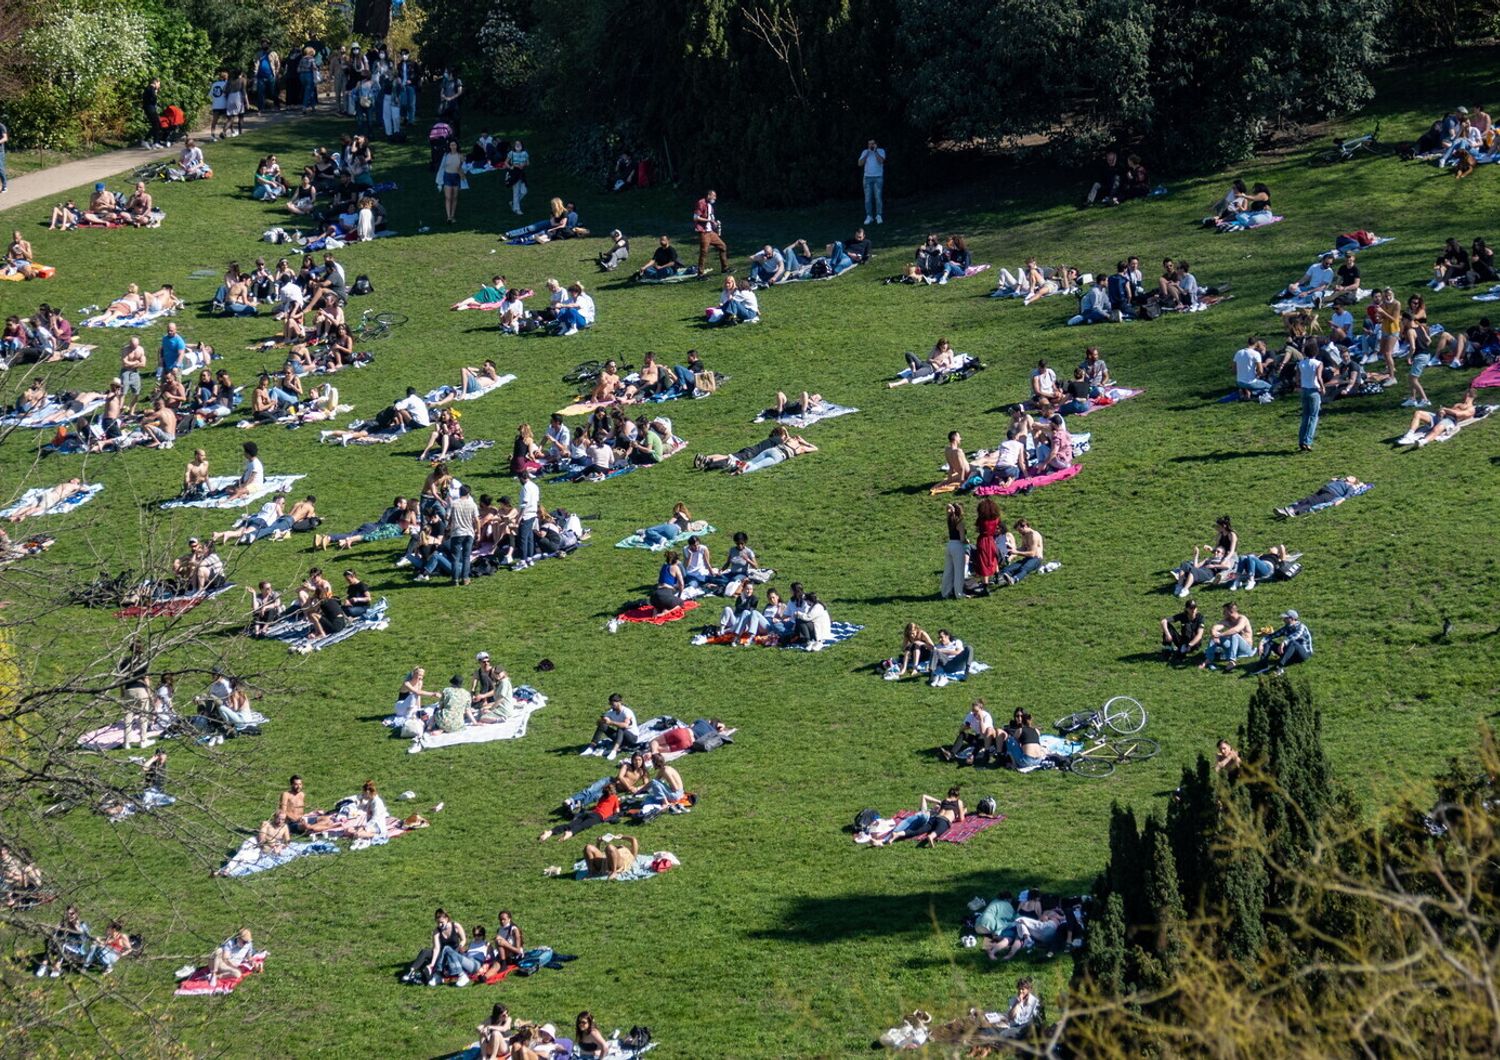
[1439, 285]
[1409, 403]
[432, 980]
[1409, 438]
[1180, 592]
[1249, 584]
[1424, 404]
[869, 218]
[571, 331]
[41, 971]
[612, 755]
[463, 980]
[879, 220]
[1234, 586]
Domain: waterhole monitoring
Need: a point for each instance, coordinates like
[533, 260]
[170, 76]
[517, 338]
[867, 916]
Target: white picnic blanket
[37, 494]
[513, 728]
[269, 484]
[445, 392]
[826, 411]
[50, 414]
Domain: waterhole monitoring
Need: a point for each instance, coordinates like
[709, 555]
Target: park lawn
[778, 935]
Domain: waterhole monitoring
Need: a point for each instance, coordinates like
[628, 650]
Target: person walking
[955, 559]
[267, 75]
[307, 77]
[516, 162]
[707, 225]
[872, 161]
[406, 86]
[1310, 377]
[451, 171]
[149, 104]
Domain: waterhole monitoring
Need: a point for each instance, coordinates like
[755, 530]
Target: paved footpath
[55, 182]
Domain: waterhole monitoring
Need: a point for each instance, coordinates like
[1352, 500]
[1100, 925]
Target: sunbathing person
[805, 406]
[610, 862]
[939, 362]
[261, 523]
[1252, 568]
[1332, 493]
[1025, 552]
[602, 812]
[65, 216]
[780, 445]
[957, 462]
[929, 823]
[49, 499]
[274, 835]
[1425, 427]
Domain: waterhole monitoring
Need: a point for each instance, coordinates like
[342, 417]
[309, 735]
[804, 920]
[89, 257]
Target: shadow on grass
[857, 915]
[1220, 457]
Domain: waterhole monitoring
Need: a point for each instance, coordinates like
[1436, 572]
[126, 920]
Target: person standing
[5, 139]
[450, 99]
[307, 77]
[406, 86]
[235, 92]
[149, 104]
[173, 346]
[267, 73]
[1310, 378]
[218, 100]
[707, 225]
[451, 172]
[956, 557]
[872, 161]
[516, 162]
[463, 519]
[529, 506]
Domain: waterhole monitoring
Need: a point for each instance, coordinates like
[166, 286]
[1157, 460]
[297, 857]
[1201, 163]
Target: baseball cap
[99, 186]
[1292, 615]
[1463, 110]
[482, 656]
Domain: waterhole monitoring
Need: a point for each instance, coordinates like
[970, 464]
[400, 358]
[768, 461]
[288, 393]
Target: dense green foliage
[778, 936]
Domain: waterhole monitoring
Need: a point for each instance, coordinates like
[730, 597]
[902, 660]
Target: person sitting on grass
[1425, 426]
[1095, 306]
[916, 648]
[609, 862]
[1182, 634]
[602, 812]
[575, 312]
[737, 305]
[941, 361]
[664, 262]
[1292, 643]
[767, 267]
[617, 254]
[950, 659]
[446, 954]
[976, 738]
[1201, 570]
[1026, 551]
[931, 822]
[1332, 493]
[735, 616]
[231, 958]
[1230, 640]
[612, 728]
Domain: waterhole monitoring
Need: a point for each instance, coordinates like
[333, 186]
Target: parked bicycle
[1107, 737]
[373, 325]
[1345, 150]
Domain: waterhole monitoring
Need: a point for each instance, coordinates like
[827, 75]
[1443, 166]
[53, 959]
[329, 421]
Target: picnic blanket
[1110, 396]
[296, 631]
[50, 413]
[689, 272]
[637, 541]
[78, 351]
[893, 667]
[446, 393]
[838, 632]
[145, 318]
[1489, 377]
[1234, 226]
[641, 870]
[171, 606]
[468, 451]
[35, 495]
[1054, 746]
[1378, 241]
[198, 984]
[112, 737]
[959, 831]
[574, 471]
[1446, 428]
[825, 411]
[644, 613]
[219, 484]
[1016, 485]
[961, 362]
[1310, 301]
[249, 859]
[528, 702]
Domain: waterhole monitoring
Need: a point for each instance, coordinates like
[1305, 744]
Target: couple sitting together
[796, 261]
[1017, 745]
[803, 619]
[946, 658]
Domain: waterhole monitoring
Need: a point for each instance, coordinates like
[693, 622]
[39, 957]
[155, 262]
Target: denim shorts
[1420, 362]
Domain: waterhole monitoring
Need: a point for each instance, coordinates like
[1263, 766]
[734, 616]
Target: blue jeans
[591, 794]
[3, 184]
[451, 962]
[875, 196]
[283, 397]
[1255, 386]
[1076, 407]
[1021, 568]
[656, 791]
[571, 318]
[1312, 405]
[739, 311]
[838, 260]
[661, 533]
[762, 273]
[527, 547]
[774, 455]
[1019, 759]
[409, 102]
[284, 523]
[438, 563]
[265, 88]
[460, 551]
[1229, 649]
[751, 623]
[1254, 567]
[916, 823]
[309, 89]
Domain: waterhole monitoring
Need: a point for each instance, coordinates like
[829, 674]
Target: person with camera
[708, 227]
[872, 162]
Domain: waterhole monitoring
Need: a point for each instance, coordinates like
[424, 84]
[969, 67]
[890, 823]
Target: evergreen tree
[1283, 740]
[1238, 885]
[1104, 960]
[1192, 823]
[1125, 872]
[1164, 896]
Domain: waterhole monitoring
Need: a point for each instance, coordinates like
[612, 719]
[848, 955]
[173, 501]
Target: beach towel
[50, 414]
[1489, 377]
[826, 411]
[575, 471]
[145, 318]
[170, 606]
[269, 484]
[962, 362]
[34, 496]
[1111, 395]
[296, 631]
[447, 393]
[469, 303]
[468, 451]
[805, 272]
[78, 351]
[112, 737]
[1016, 485]
[838, 632]
[893, 667]
[1053, 746]
[249, 859]
[198, 985]
[959, 831]
[1446, 428]
[636, 541]
[1492, 295]
[1310, 301]
[1338, 252]
[528, 702]
[643, 613]
[690, 273]
[641, 870]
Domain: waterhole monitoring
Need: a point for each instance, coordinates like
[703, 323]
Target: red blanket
[1005, 489]
[197, 984]
[644, 613]
[964, 830]
[177, 605]
[1489, 377]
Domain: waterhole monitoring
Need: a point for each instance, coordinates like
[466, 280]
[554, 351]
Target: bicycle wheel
[584, 371]
[391, 320]
[1074, 721]
[1137, 749]
[1124, 715]
[1092, 766]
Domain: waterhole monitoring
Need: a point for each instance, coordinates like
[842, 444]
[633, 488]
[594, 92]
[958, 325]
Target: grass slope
[778, 936]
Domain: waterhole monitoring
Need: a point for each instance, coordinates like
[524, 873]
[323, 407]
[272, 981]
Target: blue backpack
[533, 960]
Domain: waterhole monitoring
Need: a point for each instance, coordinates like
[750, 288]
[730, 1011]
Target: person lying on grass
[1024, 933]
[603, 811]
[932, 820]
[1252, 568]
[48, 499]
[780, 445]
[1331, 494]
[615, 857]
[1225, 557]
[807, 405]
[681, 523]
[1425, 425]
[939, 362]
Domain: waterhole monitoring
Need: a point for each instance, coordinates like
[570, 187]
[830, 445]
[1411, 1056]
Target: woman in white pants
[955, 559]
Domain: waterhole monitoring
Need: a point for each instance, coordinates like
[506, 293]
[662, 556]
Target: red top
[703, 209]
[608, 806]
[678, 739]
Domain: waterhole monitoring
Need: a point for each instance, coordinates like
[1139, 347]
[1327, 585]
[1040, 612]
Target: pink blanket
[1489, 377]
[197, 984]
[1005, 489]
[964, 830]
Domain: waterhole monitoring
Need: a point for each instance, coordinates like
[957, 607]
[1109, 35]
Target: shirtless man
[1425, 427]
[132, 363]
[957, 460]
[138, 206]
[607, 387]
[1224, 638]
[160, 425]
[195, 477]
[611, 861]
[274, 835]
[109, 418]
[809, 404]
[666, 785]
[306, 508]
[48, 499]
[292, 807]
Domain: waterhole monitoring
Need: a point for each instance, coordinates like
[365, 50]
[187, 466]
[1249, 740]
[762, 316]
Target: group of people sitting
[1015, 745]
[73, 946]
[1232, 639]
[1118, 181]
[315, 601]
[108, 209]
[1032, 447]
[609, 384]
[46, 335]
[797, 261]
[937, 261]
[489, 697]
[607, 443]
[1241, 208]
[1457, 267]
[801, 619]
[945, 659]
[1461, 139]
[1222, 563]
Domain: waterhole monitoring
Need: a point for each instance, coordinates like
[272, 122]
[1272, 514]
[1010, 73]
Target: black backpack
[986, 807]
[865, 819]
[1288, 568]
[1150, 311]
[637, 1039]
[362, 285]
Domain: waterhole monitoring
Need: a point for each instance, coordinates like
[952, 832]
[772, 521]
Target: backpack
[533, 960]
[1150, 311]
[637, 1039]
[820, 270]
[362, 285]
[986, 807]
[1288, 569]
[709, 741]
[865, 819]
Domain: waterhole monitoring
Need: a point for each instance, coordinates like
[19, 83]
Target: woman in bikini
[447, 435]
[610, 860]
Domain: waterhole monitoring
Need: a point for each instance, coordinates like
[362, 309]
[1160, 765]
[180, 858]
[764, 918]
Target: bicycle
[1100, 754]
[373, 325]
[153, 171]
[1345, 150]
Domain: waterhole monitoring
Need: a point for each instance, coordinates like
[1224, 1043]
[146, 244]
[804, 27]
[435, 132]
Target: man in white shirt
[872, 162]
[610, 732]
[530, 502]
[253, 474]
[1249, 363]
[767, 266]
[1319, 277]
[1021, 1011]
[1010, 461]
[559, 439]
[290, 297]
[218, 104]
[949, 658]
[977, 730]
[412, 411]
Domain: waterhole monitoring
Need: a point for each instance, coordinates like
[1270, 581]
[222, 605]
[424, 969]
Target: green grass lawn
[778, 936]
